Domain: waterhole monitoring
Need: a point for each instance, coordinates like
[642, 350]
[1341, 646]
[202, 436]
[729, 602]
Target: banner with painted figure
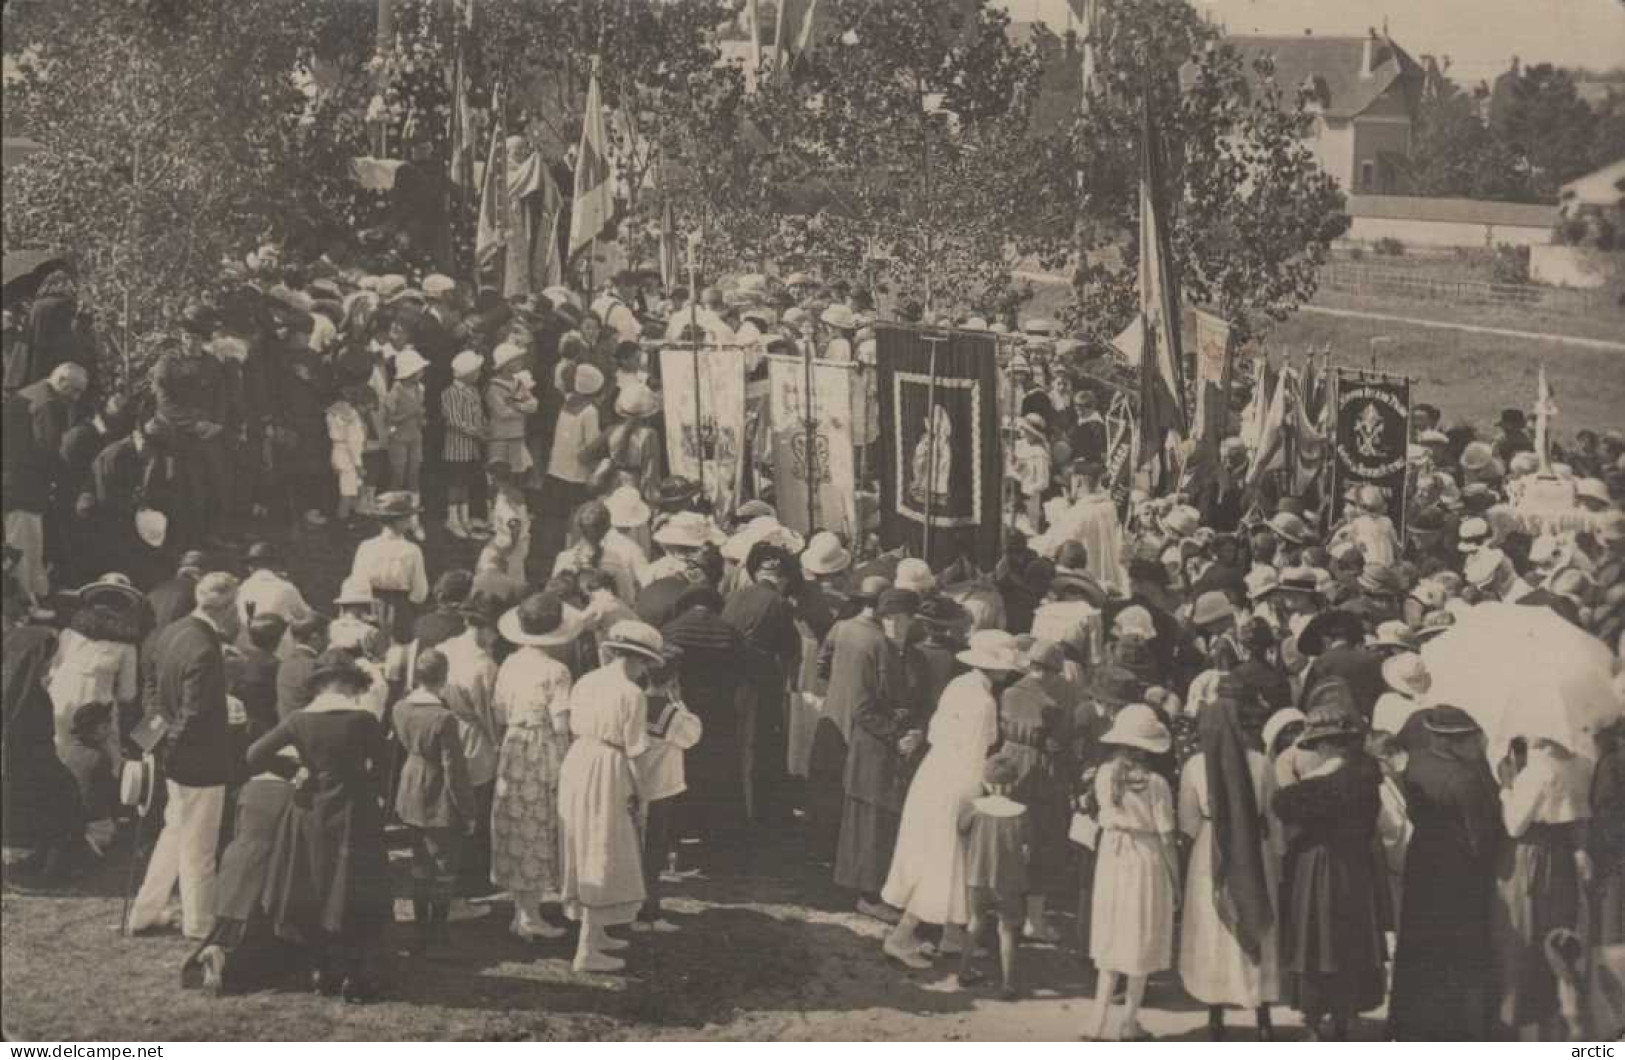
[825, 457]
[1211, 378]
[942, 454]
[1122, 435]
[1372, 436]
[705, 419]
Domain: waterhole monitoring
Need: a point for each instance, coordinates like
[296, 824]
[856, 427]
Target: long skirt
[1538, 892]
[1132, 915]
[1215, 968]
[864, 852]
[327, 882]
[600, 849]
[525, 812]
[825, 798]
[927, 874]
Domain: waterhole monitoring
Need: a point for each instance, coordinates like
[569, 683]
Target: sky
[1480, 36]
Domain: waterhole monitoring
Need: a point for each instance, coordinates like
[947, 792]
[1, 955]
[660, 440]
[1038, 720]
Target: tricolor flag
[594, 202]
[1162, 387]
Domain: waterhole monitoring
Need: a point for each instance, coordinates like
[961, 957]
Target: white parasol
[1524, 671]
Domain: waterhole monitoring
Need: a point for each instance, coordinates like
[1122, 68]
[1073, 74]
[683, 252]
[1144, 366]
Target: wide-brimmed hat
[626, 508]
[1328, 724]
[869, 590]
[688, 530]
[1434, 623]
[505, 354]
[1115, 685]
[1291, 528]
[896, 602]
[1378, 579]
[915, 575]
[1180, 521]
[1137, 725]
[110, 590]
[1261, 581]
[354, 591]
[636, 403]
[467, 363]
[825, 555]
[1212, 606]
[1279, 721]
[991, 649]
[1299, 580]
[839, 316]
[409, 363]
[587, 381]
[151, 526]
[436, 284]
[1079, 584]
[396, 504]
[138, 783]
[1395, 634]
[1446, 720]
[1336, 622]
[636, 638]
[1407, 674]
[541, 620]
[676, 491]
[336, 664]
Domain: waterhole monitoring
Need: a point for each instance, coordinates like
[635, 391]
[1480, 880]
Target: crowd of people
[1204, 730]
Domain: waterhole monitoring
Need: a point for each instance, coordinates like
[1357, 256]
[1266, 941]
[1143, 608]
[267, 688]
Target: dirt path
[1477, 329]
[768, 950]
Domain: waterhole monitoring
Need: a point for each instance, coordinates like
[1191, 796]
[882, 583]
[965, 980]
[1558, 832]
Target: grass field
[1469, 376]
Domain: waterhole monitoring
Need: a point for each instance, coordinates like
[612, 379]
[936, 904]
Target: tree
[897, 152]
[1454, 154]
[1254, 214]
[1541, 118]
[174, 135]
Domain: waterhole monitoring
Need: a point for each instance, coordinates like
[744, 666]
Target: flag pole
[694, 322]
[810, 425]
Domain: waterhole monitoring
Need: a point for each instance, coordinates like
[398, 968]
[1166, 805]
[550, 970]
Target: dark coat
[1360, 669]
[39, 804]
[328, 877]
[34, 421]
[254, 681]
[657, 602]
[434, 791]
[292, 677]
[1443, 968]
[1332, 895]
[1035, 723]
[869, 688]
[172, 600]
[186, 679]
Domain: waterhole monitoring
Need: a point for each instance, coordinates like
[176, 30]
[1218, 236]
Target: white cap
[467, 363]
[436, 284]
[506, 353]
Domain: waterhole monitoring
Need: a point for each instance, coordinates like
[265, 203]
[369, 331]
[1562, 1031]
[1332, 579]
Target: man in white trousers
[186, 683]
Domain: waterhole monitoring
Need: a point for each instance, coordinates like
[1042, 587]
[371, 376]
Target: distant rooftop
[1335, 68]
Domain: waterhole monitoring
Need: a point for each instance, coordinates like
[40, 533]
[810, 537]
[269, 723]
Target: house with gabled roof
[1363, 94]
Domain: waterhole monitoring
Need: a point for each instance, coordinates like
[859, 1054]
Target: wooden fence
[1375, 280]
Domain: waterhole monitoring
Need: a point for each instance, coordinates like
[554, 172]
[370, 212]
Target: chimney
[1367, 56]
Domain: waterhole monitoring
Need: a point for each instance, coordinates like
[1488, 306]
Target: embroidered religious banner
[705, 419]
[941, 452]
[1212, 391]
[1372, 437]
[813, 460]
[1122, 429]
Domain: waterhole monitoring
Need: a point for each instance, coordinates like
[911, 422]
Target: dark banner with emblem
[1373, 436]
[941, 453]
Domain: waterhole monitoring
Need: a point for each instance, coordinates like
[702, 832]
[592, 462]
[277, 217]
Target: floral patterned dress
[532, 687]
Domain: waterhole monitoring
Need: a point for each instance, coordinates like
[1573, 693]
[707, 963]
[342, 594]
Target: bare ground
[768, 950]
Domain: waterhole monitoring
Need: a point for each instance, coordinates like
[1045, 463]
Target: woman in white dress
[533, 694]
[927, 876]
[1227, 948]
[96, 660]
[600, 852]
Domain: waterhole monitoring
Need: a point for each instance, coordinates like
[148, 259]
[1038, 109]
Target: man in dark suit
[174, 599]
[186, 686]
[293, 676]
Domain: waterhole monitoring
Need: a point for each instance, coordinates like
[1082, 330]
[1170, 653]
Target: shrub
[1511, 264]
[1356, 253]
[1389, 247]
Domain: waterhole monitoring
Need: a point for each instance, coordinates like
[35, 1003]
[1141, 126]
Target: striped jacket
[465, 423]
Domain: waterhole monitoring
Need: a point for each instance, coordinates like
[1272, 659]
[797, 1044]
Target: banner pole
[931, 455]
[810, 425]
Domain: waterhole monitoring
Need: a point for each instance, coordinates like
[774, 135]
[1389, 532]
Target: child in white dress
[1136, 868]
